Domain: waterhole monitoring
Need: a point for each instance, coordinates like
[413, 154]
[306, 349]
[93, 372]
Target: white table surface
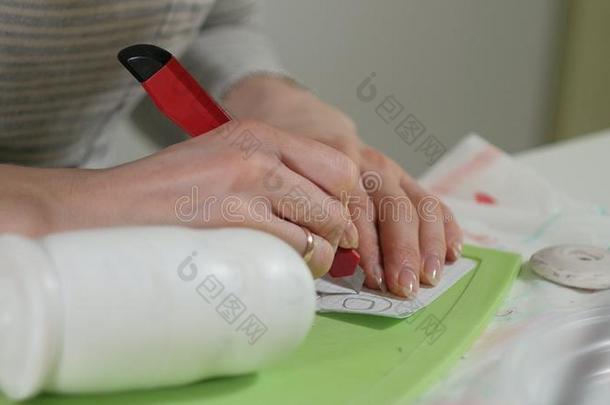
[579, 167]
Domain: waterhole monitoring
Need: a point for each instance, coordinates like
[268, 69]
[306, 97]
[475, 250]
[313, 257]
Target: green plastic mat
[356, 359]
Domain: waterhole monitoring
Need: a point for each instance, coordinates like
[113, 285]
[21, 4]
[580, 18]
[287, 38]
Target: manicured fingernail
[457, 250]
[408, 282]
[379, 279]
[349, 240]
[433, 269]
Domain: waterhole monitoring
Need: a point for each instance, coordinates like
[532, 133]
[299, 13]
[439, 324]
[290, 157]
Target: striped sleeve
[231, 45]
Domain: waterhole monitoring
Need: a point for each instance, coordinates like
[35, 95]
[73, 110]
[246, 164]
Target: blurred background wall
[486, 66]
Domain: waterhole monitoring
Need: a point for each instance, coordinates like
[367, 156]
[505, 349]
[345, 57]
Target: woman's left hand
[406, 234]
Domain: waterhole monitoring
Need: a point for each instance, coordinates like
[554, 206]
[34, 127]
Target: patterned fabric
[60, 81]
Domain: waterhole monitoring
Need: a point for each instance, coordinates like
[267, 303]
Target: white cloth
[62, 84]
[505, 205]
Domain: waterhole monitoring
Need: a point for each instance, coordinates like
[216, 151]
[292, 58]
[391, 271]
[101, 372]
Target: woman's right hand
[244, 174]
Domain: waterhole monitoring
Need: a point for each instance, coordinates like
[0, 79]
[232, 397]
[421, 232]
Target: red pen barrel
[178, 95]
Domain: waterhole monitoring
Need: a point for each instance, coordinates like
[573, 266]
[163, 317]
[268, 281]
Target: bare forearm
[26, 200]
[36, 202]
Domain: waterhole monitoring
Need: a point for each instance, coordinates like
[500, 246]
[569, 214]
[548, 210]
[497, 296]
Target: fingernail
[379, 279]
[349, 240]
[457, 250]
[408, 282]
[433, 269]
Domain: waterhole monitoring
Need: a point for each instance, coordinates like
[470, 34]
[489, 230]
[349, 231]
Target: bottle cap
[29, 317]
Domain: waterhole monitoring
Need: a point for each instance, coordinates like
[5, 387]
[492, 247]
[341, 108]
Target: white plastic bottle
[136, 308]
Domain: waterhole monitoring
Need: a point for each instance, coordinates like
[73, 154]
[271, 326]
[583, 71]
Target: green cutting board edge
[355, 359]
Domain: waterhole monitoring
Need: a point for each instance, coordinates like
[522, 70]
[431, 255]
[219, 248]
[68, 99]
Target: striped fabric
[60, 82]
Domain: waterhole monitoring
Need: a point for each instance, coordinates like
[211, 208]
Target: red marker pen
[178, 95]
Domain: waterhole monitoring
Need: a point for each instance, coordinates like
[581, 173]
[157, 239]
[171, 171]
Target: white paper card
[333, 297]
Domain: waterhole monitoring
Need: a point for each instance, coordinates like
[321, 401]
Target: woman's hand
[406, 234]
[244, 174]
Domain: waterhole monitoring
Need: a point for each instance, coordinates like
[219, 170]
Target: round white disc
[580, 266]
